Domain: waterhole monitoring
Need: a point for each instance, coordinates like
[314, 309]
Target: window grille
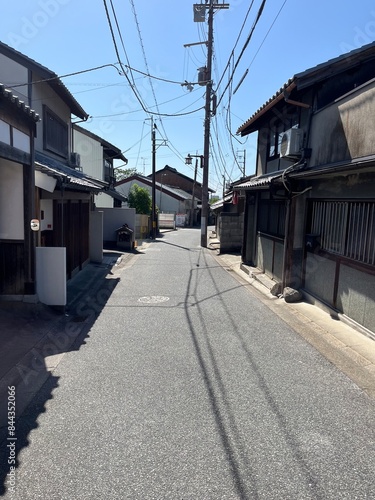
[345, 228]
[55, 133]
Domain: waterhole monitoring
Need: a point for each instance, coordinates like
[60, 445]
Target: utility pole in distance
[199, 16]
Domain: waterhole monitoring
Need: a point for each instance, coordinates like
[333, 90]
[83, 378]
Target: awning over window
[67, 175]
[258, 182]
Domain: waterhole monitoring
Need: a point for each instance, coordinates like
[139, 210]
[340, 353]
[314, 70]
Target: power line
[133, 87]
[56, 77]
[121, 39]
[259, 14]
[260, 46]
[236, 43]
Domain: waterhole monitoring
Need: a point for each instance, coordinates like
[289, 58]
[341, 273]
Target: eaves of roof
[262, 181]
[67, 175]
[178, 194]
[220, 203]
[183, 176]
[48, 76]
[363, 164]
[110, 149]
[308, 78]
[135, 177]
[115, 194]
[17, 103]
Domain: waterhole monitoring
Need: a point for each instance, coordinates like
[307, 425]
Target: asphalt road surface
[188, 387]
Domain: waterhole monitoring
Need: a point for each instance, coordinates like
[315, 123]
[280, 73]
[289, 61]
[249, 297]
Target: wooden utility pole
[210, 6]
[207, 123]
[153, 209]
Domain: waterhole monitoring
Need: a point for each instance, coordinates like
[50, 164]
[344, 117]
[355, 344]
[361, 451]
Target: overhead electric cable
[57, 77]
[146, 64]
[260, 46]
[133, 87]
[260, 11]
[236, 43]
[122, 41]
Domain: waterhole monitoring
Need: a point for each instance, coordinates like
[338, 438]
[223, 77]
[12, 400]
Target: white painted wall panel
[11, 201]
[51, 275]
[91, 152]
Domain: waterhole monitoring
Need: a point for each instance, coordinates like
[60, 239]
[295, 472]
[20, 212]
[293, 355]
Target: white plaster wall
[11, 201]
[51, 275]
[103, 200]
[91, 152]
[13, 73]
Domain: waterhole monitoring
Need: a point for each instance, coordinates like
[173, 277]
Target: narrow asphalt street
[188, 387]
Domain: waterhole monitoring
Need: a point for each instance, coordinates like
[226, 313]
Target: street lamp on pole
[189, 159]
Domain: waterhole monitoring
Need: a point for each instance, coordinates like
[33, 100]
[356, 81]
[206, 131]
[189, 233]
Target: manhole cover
[153, 299]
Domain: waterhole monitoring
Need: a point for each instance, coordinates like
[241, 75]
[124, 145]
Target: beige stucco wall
[11, 201]
[346, 129]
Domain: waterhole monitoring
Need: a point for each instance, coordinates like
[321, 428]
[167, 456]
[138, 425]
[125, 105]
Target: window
[278, 126]
[4, 132]
[108, 172]
[275, 141]
[21, 140]
[55, 133]
[345, 228]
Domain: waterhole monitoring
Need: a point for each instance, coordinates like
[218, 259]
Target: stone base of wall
[231, 232]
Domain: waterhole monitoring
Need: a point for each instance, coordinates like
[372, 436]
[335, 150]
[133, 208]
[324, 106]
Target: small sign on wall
[34, 224]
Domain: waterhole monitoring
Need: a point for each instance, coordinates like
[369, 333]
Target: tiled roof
[172, 191]
[309, 76]
[68, 175]
[219, 203]
[16, 102]
[49, 76]
[258, 182]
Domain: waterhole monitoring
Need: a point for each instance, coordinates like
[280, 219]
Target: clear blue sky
[73, 35]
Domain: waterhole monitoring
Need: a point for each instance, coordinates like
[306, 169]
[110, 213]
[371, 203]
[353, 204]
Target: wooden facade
[310, 210]
[18, 124]
[71, 230]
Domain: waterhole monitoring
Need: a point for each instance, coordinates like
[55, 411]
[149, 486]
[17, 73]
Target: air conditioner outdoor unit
[75, 160]
[291, 142]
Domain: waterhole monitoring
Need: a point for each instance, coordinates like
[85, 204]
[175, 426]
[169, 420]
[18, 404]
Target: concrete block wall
[231, 232]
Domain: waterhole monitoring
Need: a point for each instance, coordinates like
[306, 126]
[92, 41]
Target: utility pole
[199, 16]
[153, 209]
[207, 124]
